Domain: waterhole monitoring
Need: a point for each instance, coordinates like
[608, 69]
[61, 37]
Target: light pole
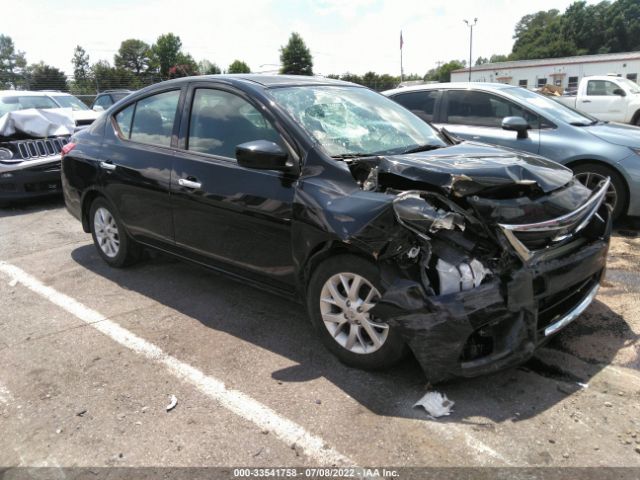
[470, 25]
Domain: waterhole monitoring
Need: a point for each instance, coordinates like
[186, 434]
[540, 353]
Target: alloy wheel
[345, 301]
[593, 180]
[106, 231]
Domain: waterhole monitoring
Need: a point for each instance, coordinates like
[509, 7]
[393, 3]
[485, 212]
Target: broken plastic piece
[418, 214]
[436, 404]
[461, 278]
[172, 403]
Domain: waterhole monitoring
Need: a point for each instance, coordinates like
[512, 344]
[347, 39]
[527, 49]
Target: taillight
[67, 148]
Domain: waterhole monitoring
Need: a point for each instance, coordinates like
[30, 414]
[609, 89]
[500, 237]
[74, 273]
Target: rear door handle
[107, 166]
[586, 101]
[183, 182]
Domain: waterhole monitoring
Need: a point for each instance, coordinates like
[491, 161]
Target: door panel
[477, 116]
[224, 212]
[137, 175]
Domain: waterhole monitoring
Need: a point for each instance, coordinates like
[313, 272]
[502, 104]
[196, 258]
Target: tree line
[583, 29]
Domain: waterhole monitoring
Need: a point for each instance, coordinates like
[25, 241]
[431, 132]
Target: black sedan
[397, 236]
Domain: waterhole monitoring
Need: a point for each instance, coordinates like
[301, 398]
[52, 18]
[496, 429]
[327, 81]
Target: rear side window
[220, 121]
[153, 119]
[484, 110]
[423, 104]
[123, 120]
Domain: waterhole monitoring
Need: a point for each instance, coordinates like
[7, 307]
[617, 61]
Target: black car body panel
[412, 214]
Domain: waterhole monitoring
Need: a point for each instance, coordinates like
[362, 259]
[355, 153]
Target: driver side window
[220, 121]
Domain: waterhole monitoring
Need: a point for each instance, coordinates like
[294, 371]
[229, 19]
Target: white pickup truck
[607, 97]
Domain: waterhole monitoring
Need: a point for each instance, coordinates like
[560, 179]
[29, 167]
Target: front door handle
[183, 182]
[107, 166]
[586, 101]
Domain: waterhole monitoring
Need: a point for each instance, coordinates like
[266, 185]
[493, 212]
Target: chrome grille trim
[566, 226]
[30, 149]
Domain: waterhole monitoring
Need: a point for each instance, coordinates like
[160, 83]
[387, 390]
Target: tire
[363, 352]
[109, 236]
[598, 171]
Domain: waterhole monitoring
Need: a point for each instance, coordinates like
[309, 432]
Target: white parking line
[235, 401]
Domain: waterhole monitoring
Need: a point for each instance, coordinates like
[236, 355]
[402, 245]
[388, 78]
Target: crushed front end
[30, 144]
[482, 275]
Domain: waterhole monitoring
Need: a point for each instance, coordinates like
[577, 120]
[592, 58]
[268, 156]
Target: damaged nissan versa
[397, 236]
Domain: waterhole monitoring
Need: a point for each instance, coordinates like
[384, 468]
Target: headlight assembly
[5, 154]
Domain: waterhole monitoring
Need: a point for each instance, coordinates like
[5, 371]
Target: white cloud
[343, 35]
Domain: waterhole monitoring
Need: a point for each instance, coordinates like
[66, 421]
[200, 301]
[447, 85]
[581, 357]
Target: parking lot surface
[90, 357]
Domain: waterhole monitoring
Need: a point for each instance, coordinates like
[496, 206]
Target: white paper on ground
[436, 404]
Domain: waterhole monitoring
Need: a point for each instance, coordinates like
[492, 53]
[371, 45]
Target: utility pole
[401, 69]
[471, 25]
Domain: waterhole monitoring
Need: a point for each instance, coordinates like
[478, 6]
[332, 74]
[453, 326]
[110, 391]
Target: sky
[343, 35]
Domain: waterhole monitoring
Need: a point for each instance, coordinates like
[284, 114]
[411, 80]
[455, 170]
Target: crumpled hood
[616, 133]
[38, 123]
[469, 168]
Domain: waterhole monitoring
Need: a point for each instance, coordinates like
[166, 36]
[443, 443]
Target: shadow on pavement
[281, 326]
[51, 202]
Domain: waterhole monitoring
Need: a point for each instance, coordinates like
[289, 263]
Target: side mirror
[98, 108]
[516, 124]
[262, 155]
[620, 92]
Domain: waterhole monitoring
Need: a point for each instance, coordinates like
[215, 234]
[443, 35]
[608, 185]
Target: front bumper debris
[501, 322]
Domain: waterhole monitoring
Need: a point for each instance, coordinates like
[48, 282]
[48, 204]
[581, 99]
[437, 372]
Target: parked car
[33, 131]
[393, 234]
[82, 114]
[518, 118]
[107, 98]
[607, 97]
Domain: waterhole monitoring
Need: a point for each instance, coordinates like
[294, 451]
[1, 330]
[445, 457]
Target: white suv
[11, 100]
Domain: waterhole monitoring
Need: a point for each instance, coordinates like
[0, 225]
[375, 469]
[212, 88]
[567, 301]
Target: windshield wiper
[342, 156]
[422, 148]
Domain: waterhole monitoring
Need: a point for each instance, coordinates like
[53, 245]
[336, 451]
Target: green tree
[165, 52]
[185, 66]
[482, 60]
[295, 57]
[540, 35]
[82, 81]
[133, 55]
[205, 67]
[443, 72]
[80, 62]
[107, 77]
[238, 66]
[12, 64]
[45, 77]
[496, 58]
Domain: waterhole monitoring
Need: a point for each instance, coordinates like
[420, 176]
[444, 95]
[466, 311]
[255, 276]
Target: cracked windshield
[349, 121]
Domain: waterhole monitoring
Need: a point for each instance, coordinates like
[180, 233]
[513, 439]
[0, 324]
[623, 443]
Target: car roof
[450, 85]
[30, 93]
[266, 81]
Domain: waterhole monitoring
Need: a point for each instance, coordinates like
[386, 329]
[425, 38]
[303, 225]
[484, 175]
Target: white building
[564, 72]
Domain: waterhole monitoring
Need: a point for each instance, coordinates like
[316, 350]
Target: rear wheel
[341, 293]
[113, 244]
[592, 175]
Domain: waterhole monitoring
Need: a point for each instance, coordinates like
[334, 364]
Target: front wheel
[113, 244]
[591, 175]
[340, 295]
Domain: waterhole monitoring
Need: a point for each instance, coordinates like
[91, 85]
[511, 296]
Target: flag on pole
[401, 41]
